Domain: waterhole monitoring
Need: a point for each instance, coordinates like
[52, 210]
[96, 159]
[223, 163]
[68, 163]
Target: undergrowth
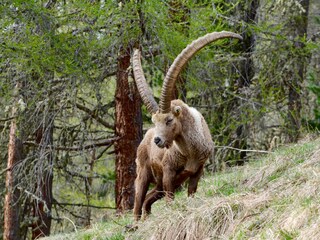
[274, 197]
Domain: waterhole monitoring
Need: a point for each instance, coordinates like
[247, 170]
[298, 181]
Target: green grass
[113, 229]
[274, 197]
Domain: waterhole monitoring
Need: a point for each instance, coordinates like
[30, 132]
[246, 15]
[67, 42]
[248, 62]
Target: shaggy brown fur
[170, 153]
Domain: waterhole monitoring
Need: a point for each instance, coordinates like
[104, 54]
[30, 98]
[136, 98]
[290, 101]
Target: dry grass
[275, 198]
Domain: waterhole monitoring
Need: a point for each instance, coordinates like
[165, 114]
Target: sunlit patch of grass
[307, 202]
[287, 235]
[113, 228]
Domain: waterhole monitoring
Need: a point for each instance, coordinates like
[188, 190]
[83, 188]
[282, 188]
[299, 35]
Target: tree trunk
[11, 206]
[128, 126]
[88, 188]
[42, 207]
[179, 14]
[296, 78]
[247, 11]
[44, 138]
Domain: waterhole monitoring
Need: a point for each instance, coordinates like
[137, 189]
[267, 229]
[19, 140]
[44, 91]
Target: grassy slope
[275, 197]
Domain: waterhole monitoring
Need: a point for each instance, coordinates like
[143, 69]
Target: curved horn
[143, 88]
[182, 59]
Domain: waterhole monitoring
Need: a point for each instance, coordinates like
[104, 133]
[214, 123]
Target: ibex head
[167, 126]
[166, 117]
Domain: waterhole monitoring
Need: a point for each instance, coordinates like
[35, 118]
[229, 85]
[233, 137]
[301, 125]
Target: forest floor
[275, 196]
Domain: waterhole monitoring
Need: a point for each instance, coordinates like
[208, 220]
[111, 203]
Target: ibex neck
[192, 139]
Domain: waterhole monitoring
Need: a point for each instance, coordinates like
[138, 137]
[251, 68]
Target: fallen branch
[68, 210]
[82, 205]
[244, 150]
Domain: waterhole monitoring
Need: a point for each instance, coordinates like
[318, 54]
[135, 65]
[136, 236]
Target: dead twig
[243, 150]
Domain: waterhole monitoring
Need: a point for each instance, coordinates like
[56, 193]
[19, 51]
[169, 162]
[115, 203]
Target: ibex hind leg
[155, 194]
[169, 185]
[182, 177]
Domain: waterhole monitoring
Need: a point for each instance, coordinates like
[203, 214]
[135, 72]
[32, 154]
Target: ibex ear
[177, 110]
[153, 118]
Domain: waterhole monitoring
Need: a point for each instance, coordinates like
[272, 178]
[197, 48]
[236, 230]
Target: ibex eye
[169, 121]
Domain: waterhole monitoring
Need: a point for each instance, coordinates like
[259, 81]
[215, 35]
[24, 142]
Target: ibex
[177, 147]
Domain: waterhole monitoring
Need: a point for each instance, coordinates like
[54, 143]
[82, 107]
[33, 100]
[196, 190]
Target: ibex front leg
[169, 176]
[141, 187]
[193, 181]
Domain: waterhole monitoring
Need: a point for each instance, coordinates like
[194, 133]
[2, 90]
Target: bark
[128, 126]
[11, 206]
